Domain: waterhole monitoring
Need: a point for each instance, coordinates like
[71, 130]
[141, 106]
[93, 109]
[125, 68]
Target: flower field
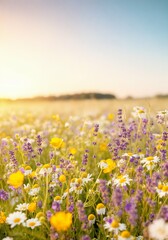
[100, 175]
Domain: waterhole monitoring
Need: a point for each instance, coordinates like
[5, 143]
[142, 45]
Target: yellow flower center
[57, 198]
[28, 168]
[31, 224]
[149, 158]
[35, 186]
[165, 188]
[125, 234]
[91, 217]
[115, 224]
[84, 175]
[130, 154]
[121, 179]
[99, 206]
[141, 111]
[16, 220]
[79, 180]
[160, 186]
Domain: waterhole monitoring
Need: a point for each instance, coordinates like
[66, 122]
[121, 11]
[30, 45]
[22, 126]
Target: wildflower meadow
[84, 177]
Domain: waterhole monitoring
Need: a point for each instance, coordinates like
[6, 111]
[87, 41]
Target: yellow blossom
[62, 178]
[110, 116]
[72, 150]
[16, 179]
[2, 217]
[57, 142]
[32, 207]
[103, 147]
[56, 117]
[110, 165]
[61, 221]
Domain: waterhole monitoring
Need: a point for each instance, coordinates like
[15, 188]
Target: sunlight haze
[57, 47]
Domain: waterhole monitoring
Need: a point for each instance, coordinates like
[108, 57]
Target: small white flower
[86, 179]
[122, 180]
[15, 218]
[32, 223]
[100, 209]
[34, 191]
[115, 226]
[26, 187]
[27, 172]
[158, 229]
[163, 113]
[139, 112]
[22, 207]
[162, 190]
[44, 171]
[150, 162]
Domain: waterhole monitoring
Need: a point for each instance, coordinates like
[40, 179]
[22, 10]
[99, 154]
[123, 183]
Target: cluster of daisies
[87, 178]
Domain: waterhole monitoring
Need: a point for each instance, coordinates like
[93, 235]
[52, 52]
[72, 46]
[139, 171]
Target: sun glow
[13, 86]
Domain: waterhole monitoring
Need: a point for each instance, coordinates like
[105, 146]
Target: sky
[53, 47]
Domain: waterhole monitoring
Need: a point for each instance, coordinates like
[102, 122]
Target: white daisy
[15, 218]
[34, 191]
[32, 223]
[149, 162]
[46, 169]
[139, 112]
[115, 226]
[162, 190]
[86, 178]
[22, 207]
[122, 180]
[158, 229]
[163, 113]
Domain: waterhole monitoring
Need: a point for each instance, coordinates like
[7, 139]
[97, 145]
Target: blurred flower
[125, 235]
[107, 165]
[162, 190]
[57, 142]
[149, 162]
[2, 217]
[61, 221]
[158, 229]
[45, 169]
[32, 207]
[22, 207]
[16, 179]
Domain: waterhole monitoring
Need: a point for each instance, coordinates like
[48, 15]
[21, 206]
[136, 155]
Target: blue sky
[54, 47]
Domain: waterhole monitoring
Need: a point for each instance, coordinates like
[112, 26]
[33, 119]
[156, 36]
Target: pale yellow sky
[60, 48]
